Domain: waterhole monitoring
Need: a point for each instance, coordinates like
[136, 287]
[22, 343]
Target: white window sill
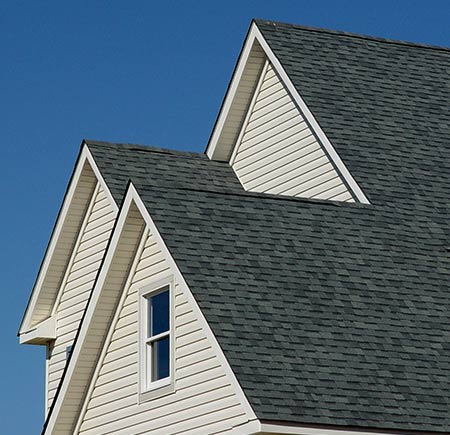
[160, 388]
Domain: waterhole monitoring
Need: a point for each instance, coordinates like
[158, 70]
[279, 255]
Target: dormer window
[155, 337]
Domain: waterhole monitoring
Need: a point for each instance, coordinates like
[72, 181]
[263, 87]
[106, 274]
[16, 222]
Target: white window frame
[148, 389]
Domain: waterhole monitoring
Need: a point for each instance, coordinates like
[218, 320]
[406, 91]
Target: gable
[277, 152]
[61, 245]
[233, 130]
[203, 401]
[78, 282]
[107, 293]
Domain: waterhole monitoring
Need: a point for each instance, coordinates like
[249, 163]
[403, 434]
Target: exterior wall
[78, 282]
[204, 401]
[278, 153]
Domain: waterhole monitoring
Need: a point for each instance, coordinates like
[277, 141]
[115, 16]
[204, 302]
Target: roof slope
[328, 314]
[383, 104]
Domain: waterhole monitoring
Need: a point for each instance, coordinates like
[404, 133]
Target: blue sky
[135, 71]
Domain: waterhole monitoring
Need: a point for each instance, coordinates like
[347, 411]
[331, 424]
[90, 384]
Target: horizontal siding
[90, 345]
[278, 153]
[78, 283]
[204, 401]
[239, 106]
[64, 245]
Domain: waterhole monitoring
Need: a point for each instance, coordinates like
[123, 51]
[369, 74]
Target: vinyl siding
[64, 245]
[204, 401]
[92, 336]
[278, 153]
[241, 101]
[78, 282]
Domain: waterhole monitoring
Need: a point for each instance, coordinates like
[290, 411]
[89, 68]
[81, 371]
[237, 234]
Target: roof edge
[352, 35]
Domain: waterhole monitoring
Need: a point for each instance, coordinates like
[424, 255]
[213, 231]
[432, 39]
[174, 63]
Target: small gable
[268, 134]
[277, 152]
[203, 400]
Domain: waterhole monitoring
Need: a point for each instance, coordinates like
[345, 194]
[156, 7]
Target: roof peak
[351, 35]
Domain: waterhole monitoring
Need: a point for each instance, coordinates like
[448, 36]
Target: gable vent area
[277, 152]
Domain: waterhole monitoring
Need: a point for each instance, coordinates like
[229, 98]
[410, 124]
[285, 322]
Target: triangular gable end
[277, 152]
[35, 324]
[106, 346]
[270, 137]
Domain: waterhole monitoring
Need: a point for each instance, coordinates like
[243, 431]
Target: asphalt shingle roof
[328, 313]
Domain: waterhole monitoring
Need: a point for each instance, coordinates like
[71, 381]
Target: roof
[383, 104]
[328, 313]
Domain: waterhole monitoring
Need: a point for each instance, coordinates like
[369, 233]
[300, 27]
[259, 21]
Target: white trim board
[84, 157]
[258, 427]
[41, 333]
[110, 333]
[132, 198]
[214, 147]
[75, 248]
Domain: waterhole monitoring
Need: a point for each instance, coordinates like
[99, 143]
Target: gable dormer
[268, 135]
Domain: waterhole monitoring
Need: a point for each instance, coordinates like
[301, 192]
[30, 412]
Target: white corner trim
[256, 35]
[132, 196]
[85, 156]
[41, 333]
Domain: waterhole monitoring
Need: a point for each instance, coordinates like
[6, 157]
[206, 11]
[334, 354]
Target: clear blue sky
[136, 71]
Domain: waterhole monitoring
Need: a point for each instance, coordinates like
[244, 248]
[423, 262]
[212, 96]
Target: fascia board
[231, 92]
[86, 321]
[84, 156]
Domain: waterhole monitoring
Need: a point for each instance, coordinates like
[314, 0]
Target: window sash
[150, 340]
[149, 310]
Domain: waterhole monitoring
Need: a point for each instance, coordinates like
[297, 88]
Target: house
[293, 279]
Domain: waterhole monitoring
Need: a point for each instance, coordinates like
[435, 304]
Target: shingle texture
[328, 313]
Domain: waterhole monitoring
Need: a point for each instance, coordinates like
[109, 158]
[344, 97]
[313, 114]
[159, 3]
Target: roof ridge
[353, 35]
[146, 148]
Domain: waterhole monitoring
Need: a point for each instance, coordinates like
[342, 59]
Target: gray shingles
[328, 313]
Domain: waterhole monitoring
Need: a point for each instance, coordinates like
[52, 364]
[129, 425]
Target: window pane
[159, 313]
[160, 359]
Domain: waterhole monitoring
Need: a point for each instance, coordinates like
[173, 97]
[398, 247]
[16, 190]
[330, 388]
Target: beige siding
[277, 151]
[64, 245]
[239, 106]
[204, 401]
[78, 282]
[91, 339]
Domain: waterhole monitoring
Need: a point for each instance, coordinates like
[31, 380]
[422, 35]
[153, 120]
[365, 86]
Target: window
[68, 351]
[155, 337]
